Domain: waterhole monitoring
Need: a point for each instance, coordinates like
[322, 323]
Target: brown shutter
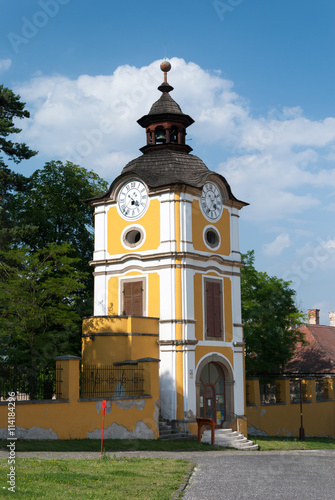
[213, 309]
[137, 306]
[127, 299]
[133, 298]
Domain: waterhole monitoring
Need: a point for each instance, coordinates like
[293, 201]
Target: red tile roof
[317, 355]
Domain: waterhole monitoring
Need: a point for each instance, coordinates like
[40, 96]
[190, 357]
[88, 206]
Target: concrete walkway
[241, 475]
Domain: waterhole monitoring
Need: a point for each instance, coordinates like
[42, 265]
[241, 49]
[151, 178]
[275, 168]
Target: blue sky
[256, 75]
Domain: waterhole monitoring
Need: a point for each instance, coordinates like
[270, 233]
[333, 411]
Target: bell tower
[166, 247]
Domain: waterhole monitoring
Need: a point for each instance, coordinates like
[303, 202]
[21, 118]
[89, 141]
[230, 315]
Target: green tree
[37, 295]
[11, 108]
[54, 203]
[270, 320]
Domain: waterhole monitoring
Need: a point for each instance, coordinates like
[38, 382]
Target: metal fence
[268, 393]
[29, 385]
[110, 380]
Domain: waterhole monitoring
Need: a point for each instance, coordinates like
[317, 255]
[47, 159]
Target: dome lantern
[165, 123]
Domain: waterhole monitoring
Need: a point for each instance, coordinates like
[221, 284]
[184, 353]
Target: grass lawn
[109, 445]
[114, 445]
[267, 443]
[124, 478]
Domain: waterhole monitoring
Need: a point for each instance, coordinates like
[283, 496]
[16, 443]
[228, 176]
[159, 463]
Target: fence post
[151, 376]
[254, 397]
[329, 386]
[283, 390]
[69, 385]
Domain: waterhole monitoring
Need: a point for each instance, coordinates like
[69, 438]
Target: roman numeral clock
[211, 201]
[132, 200]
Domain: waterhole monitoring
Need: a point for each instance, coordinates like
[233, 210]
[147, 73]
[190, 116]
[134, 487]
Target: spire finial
[165, 67]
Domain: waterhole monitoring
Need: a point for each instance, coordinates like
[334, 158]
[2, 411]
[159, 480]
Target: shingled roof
[163, 167]
[165, 104]
[317, 355]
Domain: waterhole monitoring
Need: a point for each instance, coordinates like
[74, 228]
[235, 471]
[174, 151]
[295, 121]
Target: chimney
[313, 316]
[332, 318]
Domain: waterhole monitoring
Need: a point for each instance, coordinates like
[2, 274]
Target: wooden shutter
[213, 309]
[137, 305]
[133, 298]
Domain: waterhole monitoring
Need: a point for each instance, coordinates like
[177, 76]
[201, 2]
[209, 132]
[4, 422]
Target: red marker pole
[104, 404]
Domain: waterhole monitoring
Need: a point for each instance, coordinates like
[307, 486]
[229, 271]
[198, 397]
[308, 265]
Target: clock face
[211, 201]
[133, 199]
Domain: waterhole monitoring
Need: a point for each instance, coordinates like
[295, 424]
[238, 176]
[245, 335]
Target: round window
[212, 237]
[133, 237]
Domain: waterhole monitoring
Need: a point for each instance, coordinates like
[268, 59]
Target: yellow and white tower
[166, 246]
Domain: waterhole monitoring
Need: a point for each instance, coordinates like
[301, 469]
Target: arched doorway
[215, 389]
[212, 393]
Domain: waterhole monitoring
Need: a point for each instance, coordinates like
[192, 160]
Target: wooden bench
[206, 421]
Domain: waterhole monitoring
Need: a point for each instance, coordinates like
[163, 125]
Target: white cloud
[330, 244]
[277, 162]
[281, 242]
[5, 64]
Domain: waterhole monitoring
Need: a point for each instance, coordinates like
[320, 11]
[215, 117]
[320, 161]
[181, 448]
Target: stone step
[230, 439]
[165, 431]
[168, 431]
[177, 435]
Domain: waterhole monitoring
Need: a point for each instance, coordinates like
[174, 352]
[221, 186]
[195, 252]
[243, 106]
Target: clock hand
[133, 202]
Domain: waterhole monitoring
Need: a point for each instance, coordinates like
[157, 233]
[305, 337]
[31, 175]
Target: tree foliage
[54, 207]
[270, 320]
[11, 109]
[38, 291]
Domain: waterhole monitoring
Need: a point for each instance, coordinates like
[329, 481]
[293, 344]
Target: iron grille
[111, 381]
[29, 385]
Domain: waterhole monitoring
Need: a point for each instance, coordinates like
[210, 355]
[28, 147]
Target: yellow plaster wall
[75, 420]
[198, 311]
[228, 310]
[199, 222]
[122, 345]
[113, 295]
[154, 295]
[202, 351]
[116, 224]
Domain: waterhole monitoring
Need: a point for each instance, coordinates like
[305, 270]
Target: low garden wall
[72, 417]
[276, 410]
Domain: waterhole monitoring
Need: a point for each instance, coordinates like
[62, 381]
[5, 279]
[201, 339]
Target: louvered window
[133, 298]
[213, 309]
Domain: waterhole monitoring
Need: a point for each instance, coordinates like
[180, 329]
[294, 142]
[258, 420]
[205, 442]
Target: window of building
[133, 297]
[133, 236]
[213, 309]
[212, 238]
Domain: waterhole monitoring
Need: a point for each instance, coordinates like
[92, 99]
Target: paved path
[242, 475]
